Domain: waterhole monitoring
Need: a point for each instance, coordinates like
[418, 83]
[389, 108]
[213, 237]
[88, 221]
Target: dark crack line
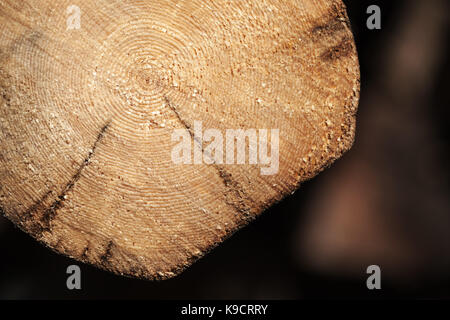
[106, 257]
[84, 254]
[185, 124]
[232, 185]
[29, 213]
[343, 49]
[336, 21]
[50, 213]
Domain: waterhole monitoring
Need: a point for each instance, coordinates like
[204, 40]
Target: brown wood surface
[87, 115]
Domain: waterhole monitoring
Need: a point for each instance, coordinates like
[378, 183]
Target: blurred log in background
[386, 202]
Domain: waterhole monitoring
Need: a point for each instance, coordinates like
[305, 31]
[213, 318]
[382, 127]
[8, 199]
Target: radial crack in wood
[89, 109]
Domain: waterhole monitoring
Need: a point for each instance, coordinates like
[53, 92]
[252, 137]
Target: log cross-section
[93, 93]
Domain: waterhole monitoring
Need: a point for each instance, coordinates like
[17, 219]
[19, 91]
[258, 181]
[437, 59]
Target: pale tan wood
[87, 117]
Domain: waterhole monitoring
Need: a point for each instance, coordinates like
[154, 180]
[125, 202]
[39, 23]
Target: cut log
[89, 112]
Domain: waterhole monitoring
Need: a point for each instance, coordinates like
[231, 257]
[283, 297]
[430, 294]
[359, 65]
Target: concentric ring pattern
[88, 117]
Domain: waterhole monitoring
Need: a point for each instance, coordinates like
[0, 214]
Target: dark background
[386, 202]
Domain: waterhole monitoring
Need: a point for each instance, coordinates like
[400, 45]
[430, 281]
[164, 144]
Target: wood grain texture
[87, 117]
